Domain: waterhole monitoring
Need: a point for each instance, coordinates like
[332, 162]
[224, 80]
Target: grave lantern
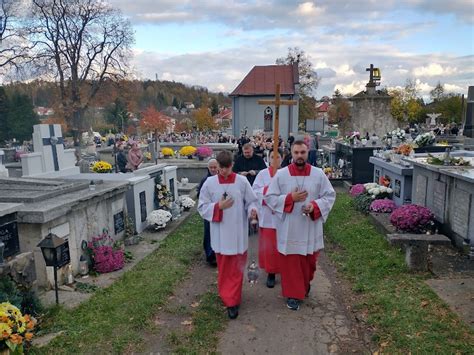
[56, 254]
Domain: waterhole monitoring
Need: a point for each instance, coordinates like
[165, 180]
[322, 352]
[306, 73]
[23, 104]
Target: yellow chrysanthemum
[5, 330]
[167, 151]
[187, 150]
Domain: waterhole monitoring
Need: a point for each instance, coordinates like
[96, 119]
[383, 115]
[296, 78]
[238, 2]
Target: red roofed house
[260, 84]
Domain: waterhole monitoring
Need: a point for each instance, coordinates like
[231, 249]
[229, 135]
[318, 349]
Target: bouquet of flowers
[147, 156]
[167, 152]
[105, 253]
[404, 149]
[450, 161]
[328, 171]
[159, 218]
[101, 167]
[187, 150]
[412, 218]
[186, 202]
[425, 139]
[163, 196]
[204, 152]
[15, 329]
[377, 191]
[384, 181]
[395, 135]
[383, 206]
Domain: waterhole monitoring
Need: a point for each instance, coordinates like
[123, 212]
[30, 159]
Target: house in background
[259, 84]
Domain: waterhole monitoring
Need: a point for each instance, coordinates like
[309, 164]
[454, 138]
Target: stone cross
[277, 102]
[48, 140]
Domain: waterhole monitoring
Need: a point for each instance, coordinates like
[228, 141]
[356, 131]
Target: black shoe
[307, 292]
[271, 280]
[233, 312]
[293, 304]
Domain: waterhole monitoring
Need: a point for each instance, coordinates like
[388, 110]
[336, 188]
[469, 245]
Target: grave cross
[52, 140]
[276, 102]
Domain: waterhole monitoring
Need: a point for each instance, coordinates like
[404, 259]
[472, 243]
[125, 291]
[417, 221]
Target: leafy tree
[175, 103]
[340, 111]
[21, 117]
[307, 108]
[406, 105]
[307, 75]
[214, 107]
[117, 114]
[450, 107]
[154, 121]
[203, 119]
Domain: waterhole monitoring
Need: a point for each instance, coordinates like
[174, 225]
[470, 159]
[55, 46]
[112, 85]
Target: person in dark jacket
[210, 255]
[121, 159]
[249, 164]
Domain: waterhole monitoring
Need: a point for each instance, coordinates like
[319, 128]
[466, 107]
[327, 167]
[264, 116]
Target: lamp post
[56, 254]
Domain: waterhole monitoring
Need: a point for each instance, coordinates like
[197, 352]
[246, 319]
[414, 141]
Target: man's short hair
[247, 146]
[299, 142]
[224, 159]
[212, 160]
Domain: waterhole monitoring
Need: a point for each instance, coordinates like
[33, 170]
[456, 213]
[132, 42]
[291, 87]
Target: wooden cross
[276, 102]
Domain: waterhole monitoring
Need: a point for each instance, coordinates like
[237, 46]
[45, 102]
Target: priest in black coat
[249, 164]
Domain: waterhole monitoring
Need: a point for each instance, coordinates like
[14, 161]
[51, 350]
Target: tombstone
[49, 159]
[9, 229]
[432, 117]
[3, 170]
[171, 181]
[469, 119]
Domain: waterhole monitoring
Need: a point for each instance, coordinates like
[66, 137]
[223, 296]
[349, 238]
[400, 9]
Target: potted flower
[101, 167]
[412, 218]
[167, 152]
[383, 206]
[16, 329]
[203, 152]
[186, 202]
[159, 218]
[357, 189]
[188, 151]
[106, 255]
[425, 139]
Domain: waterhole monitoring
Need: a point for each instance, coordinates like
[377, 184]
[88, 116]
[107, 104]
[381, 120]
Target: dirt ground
[324, 324]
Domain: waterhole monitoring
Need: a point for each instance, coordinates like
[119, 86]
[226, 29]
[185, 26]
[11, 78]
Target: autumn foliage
[154, 121]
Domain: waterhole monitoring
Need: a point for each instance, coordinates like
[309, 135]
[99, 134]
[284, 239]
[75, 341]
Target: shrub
[362, 202]
[412, 218]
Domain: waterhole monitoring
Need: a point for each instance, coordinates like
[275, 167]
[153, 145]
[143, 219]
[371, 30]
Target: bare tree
[309, 79]
[14, 46]
[83, 43]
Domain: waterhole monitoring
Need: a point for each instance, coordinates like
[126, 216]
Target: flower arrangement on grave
[382, 206]
[147, 156]
[352, 137]
[412, 218]
[327, 171]
[167, 152]
[404, 149]
[357, 189]
[101, 167]
[16, 329]
[187, 150]
[443, 143]
[203, 152]
[362, 202]
[163, 196]
[159, 218]
[425, 139]
[186, 202]
[377, 191]
[105, 253]
[385, 180]
[450, 161]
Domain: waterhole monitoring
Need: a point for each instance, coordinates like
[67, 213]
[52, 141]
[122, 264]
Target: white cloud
[308, 9]
[351, 88]
[434, 69]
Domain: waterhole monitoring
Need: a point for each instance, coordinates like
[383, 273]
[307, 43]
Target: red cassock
[268, 258]
[297, 271]
[230, 269]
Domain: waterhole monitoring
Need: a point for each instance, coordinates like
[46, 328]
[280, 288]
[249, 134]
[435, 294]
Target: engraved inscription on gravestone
[119, 223]
[63, 254]
[142, 206]
[398, 188]
[439, 200]
[420, 189]
[377, 175]
[9, 235]
[461, 212]
[172, 188]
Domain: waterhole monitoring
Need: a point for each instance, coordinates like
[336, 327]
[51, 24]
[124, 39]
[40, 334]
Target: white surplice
[230, 236]
[266, 218]
[296, 233]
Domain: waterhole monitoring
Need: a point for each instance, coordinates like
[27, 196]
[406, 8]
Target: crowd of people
[289, 205]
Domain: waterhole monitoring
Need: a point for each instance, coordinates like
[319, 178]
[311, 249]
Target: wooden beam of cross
[277, 102]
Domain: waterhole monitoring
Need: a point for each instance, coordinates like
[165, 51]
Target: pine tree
[3, 115]
[21, 117]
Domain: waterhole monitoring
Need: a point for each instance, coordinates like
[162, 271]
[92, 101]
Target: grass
[407, 316]
[207, 320]
[116, 317]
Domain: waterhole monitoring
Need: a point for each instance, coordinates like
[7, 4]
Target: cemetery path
[323, 324]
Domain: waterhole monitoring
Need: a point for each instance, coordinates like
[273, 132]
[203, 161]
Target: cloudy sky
[214, 43]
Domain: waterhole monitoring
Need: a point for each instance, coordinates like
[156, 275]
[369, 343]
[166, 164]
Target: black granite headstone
[63, 254]
[9, 235]
[119, 223]
[469, 121]
[142, 197]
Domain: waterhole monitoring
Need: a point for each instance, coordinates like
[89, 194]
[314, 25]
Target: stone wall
[372, 114]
